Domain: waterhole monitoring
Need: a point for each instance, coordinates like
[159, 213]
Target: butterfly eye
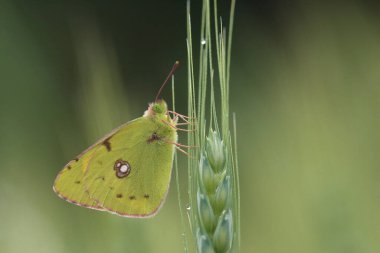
[122, 168]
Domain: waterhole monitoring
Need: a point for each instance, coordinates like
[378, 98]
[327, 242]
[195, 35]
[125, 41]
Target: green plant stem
[213, 168]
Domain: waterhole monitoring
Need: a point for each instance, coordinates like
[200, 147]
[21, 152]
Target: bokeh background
[305, 88]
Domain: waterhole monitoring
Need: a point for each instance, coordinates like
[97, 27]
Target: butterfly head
[159, 107]
[159, 110]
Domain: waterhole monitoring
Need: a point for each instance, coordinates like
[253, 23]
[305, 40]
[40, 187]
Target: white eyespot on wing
[124, 168]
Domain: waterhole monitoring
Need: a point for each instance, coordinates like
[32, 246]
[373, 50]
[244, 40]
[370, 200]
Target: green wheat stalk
[213, 170]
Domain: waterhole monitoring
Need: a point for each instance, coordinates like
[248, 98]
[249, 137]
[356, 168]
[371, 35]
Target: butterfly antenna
[174, 68]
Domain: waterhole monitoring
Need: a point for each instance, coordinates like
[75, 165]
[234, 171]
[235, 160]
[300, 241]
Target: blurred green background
[305, 87]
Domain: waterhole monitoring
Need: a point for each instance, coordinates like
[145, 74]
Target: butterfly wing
[146, 152]
[69, 184]
[127, 172]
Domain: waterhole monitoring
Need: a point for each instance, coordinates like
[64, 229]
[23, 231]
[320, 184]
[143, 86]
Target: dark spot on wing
[153, 137]
[119, 195]
[107, 143]
[69, 167]
[76, 159]
[77, 182]
[132, 197]
[146, 196]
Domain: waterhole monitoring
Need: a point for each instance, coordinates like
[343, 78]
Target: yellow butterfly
[128, 171]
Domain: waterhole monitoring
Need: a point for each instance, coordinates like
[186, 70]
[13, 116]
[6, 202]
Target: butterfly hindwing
[132, 177]
[127, 172]
[69, 183]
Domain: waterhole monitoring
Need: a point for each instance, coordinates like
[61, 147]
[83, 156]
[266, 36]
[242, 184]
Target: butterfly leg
[183, 117]
[179, 144]
[186, 122]
[183, 151]
[175, 119]
[176, 128]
